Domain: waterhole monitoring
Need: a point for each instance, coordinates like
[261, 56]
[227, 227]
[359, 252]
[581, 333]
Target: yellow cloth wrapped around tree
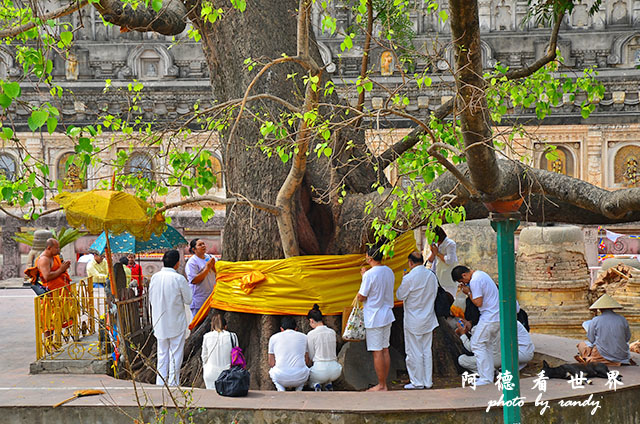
[291, 286]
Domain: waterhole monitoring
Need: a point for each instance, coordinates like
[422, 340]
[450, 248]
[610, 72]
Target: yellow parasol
[112, 212]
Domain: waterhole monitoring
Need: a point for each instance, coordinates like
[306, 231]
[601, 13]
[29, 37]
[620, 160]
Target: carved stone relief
[580, 16]
[503, 18]
[619, 13]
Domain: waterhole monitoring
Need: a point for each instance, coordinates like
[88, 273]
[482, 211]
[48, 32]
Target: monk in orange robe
[52, 270]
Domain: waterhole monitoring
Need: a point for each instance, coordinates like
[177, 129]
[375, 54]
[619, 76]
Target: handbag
[233, 382]
[353, 329]
[237, 357]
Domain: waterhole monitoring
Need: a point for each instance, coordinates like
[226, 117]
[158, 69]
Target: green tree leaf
[12, 89]
[52, 124]
[38, 192]
[66, 37]
[156, 5]
[37, 119]
[5, 101]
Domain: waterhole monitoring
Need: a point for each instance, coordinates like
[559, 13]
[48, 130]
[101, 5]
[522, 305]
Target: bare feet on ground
[378, 388]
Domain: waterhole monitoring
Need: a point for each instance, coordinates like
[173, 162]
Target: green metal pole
[505, 225]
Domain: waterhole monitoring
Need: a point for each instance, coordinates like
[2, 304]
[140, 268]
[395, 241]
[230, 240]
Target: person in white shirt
[376, 293]
[321, 348]
[526, 347]
[443, 259]
[483, 292]
[418, 293]
[168, 293]
[288, 357]
[216, 350]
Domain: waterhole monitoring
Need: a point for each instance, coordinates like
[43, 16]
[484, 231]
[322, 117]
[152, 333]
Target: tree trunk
[264, 32]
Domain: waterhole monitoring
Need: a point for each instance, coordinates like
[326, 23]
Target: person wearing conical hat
[608, 335]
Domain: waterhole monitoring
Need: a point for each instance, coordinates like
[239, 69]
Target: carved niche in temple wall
[566, 161]
[74, 179]
[625, 51]
[618, 12]
[149, 62]
[626, 164]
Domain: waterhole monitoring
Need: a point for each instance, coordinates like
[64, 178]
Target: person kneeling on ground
[608, 336]
[287, 356]
[321, 346]
[525, 347]
[216, 350]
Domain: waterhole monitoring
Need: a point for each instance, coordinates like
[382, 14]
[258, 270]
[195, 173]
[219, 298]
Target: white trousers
[323, 372]
[170, 353]
[469, 362]
[485, 345]
[419, 358]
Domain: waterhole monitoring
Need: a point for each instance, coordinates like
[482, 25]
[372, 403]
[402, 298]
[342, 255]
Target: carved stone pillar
[10, 250]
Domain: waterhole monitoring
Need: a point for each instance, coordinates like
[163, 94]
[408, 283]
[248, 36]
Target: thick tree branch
[170, 20]
[284, 200]
[610, 204]
[266, 207]
[55, 14]
[470, 84]
[550, 56]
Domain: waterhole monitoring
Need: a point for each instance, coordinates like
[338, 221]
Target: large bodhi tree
[300, 178]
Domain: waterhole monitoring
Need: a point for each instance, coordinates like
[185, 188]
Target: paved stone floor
[21, 390]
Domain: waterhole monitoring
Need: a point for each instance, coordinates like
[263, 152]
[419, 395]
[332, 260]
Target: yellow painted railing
[68, 323]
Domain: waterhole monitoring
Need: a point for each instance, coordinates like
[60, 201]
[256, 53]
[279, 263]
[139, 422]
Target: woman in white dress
[216, 350]
[321, 346]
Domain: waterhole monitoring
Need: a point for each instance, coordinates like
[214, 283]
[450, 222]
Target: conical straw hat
[606, 302]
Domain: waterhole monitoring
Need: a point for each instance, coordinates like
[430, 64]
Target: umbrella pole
[112, 279]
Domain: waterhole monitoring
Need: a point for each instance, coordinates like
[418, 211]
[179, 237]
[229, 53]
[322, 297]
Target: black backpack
[233, 382]
[443, 302]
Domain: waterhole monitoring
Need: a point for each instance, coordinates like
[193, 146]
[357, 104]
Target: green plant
[63, 235]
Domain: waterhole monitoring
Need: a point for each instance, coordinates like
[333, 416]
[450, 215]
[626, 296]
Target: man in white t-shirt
[526, 347]
[483, 292]
[376, 292]
[288, 356]
[418, 293]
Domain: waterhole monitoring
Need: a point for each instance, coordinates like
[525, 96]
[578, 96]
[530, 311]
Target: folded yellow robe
[291, 286]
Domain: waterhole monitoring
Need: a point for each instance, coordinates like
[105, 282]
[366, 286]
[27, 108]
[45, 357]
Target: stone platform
[26, 398]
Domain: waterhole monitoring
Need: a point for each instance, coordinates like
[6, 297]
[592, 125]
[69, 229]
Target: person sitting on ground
[216, 350]
[526, 347]
[288, 356]
[608, 335]
[418, 293]
[97, 268]
[321, 347]
[127, 271]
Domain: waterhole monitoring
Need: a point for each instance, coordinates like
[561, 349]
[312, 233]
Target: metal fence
[75, 323]
[67, 322]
